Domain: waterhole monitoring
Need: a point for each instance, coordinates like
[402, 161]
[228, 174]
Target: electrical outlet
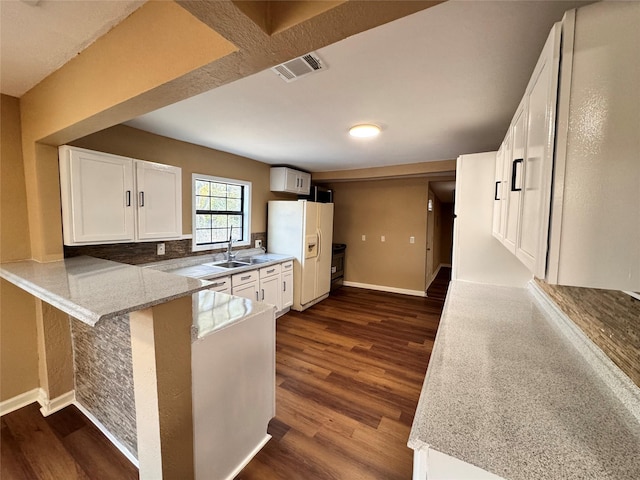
[160, 249]
[364, 238]
[412, 239]
[382, 239]
[258, 243]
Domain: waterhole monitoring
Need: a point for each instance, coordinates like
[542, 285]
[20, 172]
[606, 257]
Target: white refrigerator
[304, 230]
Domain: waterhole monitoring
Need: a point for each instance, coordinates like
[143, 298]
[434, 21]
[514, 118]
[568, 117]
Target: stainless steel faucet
[230, 254]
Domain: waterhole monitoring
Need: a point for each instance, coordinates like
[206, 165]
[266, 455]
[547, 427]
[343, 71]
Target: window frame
[246, 212]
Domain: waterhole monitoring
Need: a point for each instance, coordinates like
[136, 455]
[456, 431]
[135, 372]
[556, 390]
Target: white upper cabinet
[498, 195]
[595, 220]
[159, 192]
[111, 199]
[514, 171]
[284, 179]
[98, 197]
[572, 214]
[534, 184]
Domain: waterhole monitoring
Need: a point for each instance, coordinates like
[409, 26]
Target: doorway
[440, 198]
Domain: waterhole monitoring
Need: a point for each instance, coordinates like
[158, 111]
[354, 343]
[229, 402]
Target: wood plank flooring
[349, 375]
[64, 445]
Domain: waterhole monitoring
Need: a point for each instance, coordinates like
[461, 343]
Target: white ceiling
[39, 36]
[440, 83]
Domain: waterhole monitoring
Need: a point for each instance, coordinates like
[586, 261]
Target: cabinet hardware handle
[263, 294]
[128, 197]
[285, 286]
[257, 296]
[495, 195]
[142, 199]
[271, 271]
[514, 171]
[245, 278]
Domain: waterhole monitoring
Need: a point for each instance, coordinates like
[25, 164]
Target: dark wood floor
[349, 375]
[62, 446]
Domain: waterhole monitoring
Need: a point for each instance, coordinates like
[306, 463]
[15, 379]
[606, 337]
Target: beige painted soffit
[158, 43]
[432, 169]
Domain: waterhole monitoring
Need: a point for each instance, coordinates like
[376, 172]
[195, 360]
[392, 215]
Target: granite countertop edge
[85, 313]
[452, 420]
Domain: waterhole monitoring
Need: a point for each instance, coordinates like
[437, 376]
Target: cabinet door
[541, 97]
[498, 195]
[246, 290]
[303, 183]
[513, 172]
[291, 180]
[159, 200]
[97, 197]
[270, 291]
[287, 285]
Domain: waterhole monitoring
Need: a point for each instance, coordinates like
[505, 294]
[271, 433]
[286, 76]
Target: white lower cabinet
[270, 285]
[245, 285]
[287, 285]
[429, 464]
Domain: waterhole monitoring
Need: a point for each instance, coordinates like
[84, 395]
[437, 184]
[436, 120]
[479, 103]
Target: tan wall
[131, 142]
[14, 229]
[393, 208]
[18, 339]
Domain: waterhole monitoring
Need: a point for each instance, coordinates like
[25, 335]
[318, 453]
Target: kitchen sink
[257, 260]
[232, 264]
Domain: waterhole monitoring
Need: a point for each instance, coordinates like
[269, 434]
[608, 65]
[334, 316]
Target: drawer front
[270, 271]
[287, 266]
[220, 284]
[244, 277]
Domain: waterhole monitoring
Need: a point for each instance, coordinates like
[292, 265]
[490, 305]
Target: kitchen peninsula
[158, 373]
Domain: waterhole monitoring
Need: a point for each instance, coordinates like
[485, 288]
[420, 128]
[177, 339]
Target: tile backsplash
[145, 252]
[610, 318]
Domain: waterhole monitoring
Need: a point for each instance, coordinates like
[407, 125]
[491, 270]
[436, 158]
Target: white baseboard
[49, 406]
[19, 401]
[384, 288]
[117, 443]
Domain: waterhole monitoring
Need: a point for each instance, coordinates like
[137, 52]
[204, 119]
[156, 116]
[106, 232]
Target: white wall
[477, 255]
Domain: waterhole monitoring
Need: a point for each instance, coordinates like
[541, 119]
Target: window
[221, 206]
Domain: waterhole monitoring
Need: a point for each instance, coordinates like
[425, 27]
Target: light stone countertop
[510, 391]
[214, 311]
[92, 289]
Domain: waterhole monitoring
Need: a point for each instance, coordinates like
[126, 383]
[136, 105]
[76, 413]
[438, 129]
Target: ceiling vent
[299, 67]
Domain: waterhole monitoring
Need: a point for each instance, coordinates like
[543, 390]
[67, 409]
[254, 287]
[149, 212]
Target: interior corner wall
[18, 337]
[393, 208]
[134, 143]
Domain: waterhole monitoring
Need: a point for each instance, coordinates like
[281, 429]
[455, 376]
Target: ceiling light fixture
[364, 130]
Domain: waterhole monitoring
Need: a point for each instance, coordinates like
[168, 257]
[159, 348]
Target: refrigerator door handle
[319, 243]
